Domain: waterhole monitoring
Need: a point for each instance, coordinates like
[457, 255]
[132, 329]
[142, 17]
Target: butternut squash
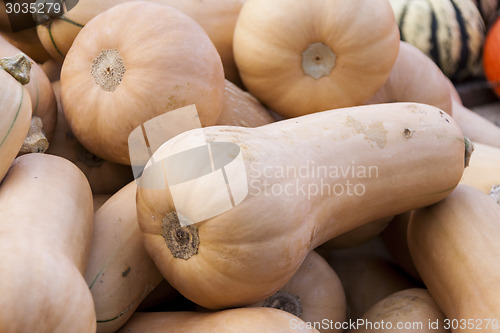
[409, 310]
[302, 57]
[15, 115]
[314, 294]
[368, 275]
[119, 274]
[27, 41]
[396, 241]
[476, 127]
[240, 108]
[52, 68]
[104, 177]
[217, 17]
[415, 78]
[483, 172]
[230, 259]
[454, 245]
[241, 320]
[99, 200]
[359, 235]
[113, 82]
[46, 229]
[42, 98]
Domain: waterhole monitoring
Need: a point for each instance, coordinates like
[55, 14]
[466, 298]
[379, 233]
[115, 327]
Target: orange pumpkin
[491, 60]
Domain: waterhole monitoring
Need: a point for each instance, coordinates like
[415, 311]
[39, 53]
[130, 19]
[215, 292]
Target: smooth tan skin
[368, 275]
[412, 307]
[46, 229]
[241, 320]
[320, 292]
[14, 100]
[217, 17]
[476, 127]
[119, 274]
[237, 258]
[483, 171]
[104, 177]
[396, 241]
[240, 108]
[359, 235]
[454, 245]
[415, 78]
[161, 75]
[43, 100]
[28, 42]
[270, 37]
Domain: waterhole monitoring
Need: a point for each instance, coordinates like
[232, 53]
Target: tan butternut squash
[301, 57]
[52, 68]
[240, 108]
[241, 320]
[217, 17]
[454, 245]
[104, 177]
[43, 102]
[314, 294]
[46, 229]
[99, 200]
[368, 275]
[221, 258]
[28, 42]
[359, 235]
[119, 274]
[476, 127]
[112, 83]
[409, 310]
[483, 172]
[15, 115]
[396, 241]
[415, 78]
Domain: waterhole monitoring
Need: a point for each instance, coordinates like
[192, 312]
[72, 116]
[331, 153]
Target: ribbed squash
[15, 115]
[488, 10]
[300, 57]
[113, 82]
[314, 294]
[451, 32]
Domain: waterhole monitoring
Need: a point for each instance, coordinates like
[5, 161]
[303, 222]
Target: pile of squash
[371, 194]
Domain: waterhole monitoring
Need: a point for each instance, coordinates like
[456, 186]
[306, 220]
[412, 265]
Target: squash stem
[19, 66]
[469, 148]
[182, 241]
[35, 141]
[285, 301]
